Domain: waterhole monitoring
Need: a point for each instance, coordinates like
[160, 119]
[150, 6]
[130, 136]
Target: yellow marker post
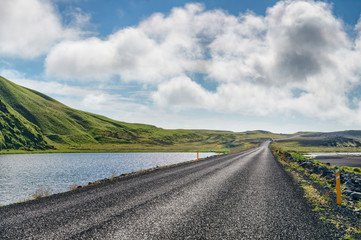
[219, 153]
[338, 186]
[197, 155]
[278, 151]
[284, 157]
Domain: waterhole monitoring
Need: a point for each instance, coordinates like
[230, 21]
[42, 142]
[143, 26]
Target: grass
[315, 196]
[39, 193]
[73, 187]
[114, 175]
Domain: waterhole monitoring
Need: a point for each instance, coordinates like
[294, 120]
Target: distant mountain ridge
[345, 134]
[32, 120]
[346, 139]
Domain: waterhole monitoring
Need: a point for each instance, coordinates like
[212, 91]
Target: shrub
[39, 193]
[114, 175]
[73, 187]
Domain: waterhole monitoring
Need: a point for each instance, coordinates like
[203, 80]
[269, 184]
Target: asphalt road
[241, 196]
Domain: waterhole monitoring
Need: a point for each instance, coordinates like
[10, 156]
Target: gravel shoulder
[246, 195]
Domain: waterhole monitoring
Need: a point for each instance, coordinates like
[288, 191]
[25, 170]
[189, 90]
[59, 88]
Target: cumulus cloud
[74, 96]
[47, 87]
[29, 28]
[160, 48]
[296, 59]
[182, 92]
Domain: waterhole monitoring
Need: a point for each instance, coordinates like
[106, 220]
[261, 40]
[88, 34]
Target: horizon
[281, 66]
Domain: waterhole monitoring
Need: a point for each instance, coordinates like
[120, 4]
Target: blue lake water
[23, 174]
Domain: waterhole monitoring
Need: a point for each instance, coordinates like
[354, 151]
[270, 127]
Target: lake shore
[22, 175]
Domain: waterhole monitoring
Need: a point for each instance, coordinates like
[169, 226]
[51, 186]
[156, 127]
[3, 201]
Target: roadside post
[219, 153]
[338, 186]
[278, 151]
[284, 157]
[197, 155]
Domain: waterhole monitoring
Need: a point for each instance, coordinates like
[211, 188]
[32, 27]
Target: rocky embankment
[351, 181]
[319, 186]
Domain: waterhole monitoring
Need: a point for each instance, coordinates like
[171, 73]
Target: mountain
[356, 134]
[32, 120]
[349, 140]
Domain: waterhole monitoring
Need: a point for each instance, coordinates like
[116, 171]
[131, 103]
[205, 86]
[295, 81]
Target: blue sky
[282, 66]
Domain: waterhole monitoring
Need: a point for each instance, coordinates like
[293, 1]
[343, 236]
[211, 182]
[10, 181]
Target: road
[240, 196]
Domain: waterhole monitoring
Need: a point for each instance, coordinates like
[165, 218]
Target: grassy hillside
[45, 123]
[18, 133]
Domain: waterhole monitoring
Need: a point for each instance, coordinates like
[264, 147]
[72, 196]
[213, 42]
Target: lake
[349, 159]
[23, 174]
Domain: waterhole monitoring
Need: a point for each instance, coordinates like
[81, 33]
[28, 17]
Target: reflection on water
[22, 174]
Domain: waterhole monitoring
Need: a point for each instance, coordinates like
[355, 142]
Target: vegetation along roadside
[319, 185]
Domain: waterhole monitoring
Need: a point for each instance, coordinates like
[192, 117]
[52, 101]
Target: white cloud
[297, 59]
[29, 28]
[73, 96]
[88, 98]
[158, 49]
[182, 92]
[46, 87]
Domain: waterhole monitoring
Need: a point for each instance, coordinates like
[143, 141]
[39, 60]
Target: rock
[327, 188]
[328, 164]
[349, 183]
[328, 174]
[347, 192]
[316, 170]
[323, 168]
[289, 156]
[306, 164]
[356, 195]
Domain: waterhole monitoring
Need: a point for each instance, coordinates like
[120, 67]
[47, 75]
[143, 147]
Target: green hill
[18, 133]
[32, 120]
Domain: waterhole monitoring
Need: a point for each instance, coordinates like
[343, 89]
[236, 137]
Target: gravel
[246, 195]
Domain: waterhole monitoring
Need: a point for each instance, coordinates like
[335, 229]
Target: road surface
[240, 196]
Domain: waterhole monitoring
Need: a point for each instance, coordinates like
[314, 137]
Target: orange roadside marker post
[197, 155]
[219, 153]
[278, 151]
[338, 186]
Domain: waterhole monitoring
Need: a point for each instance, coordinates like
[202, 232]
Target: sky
[282, 66]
